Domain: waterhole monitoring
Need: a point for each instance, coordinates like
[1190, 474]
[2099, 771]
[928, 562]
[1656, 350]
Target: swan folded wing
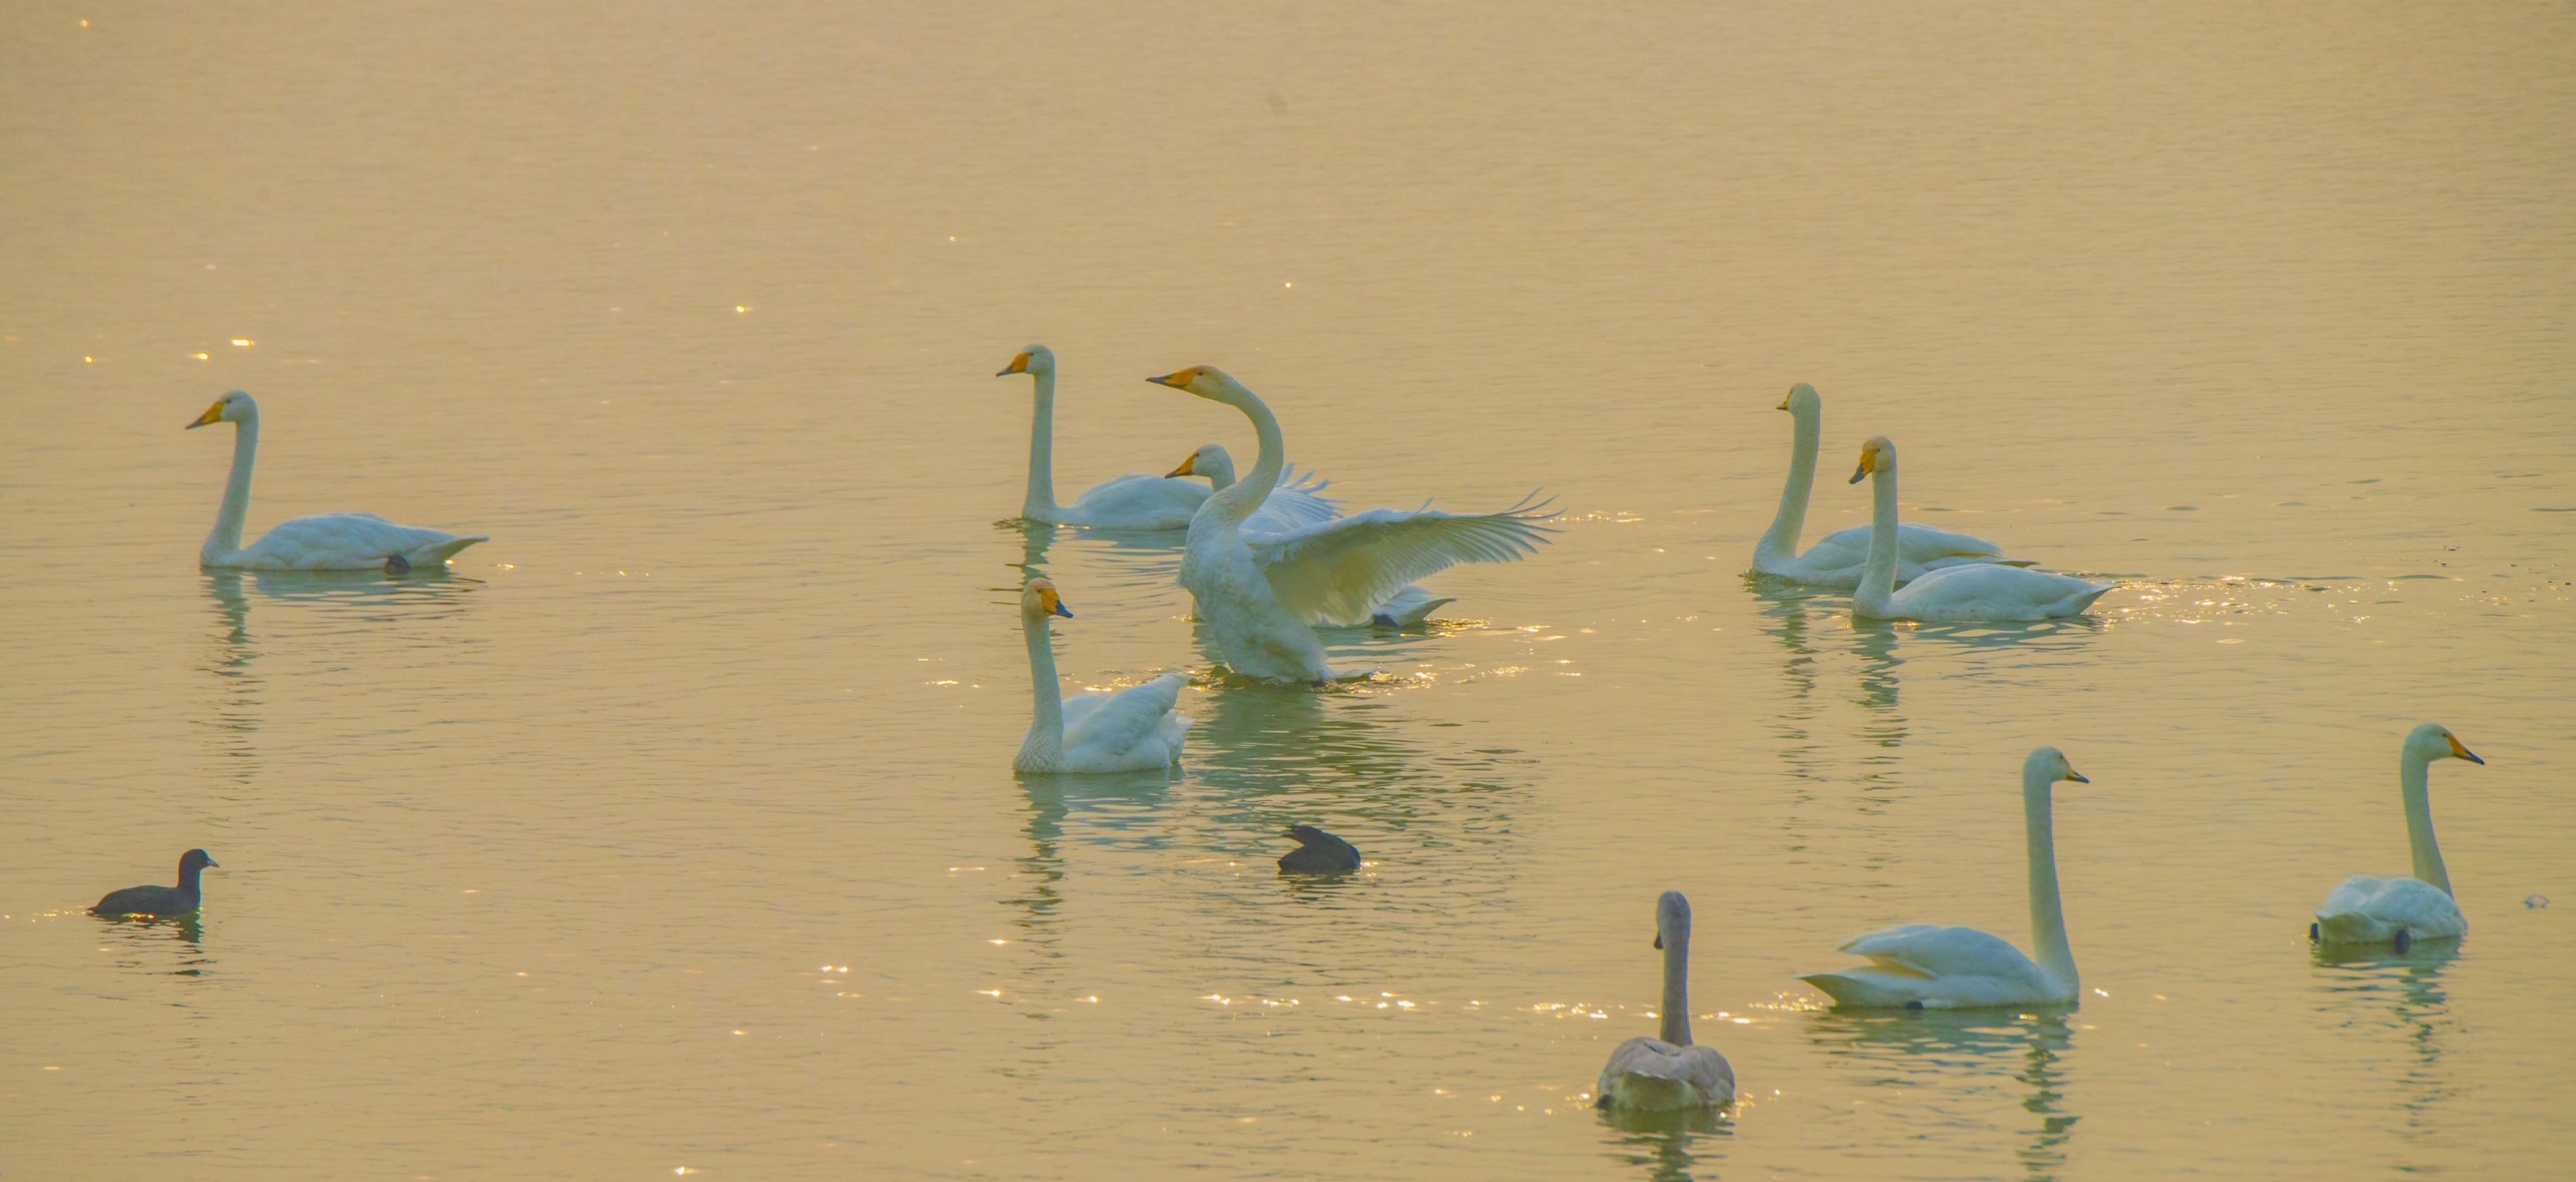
[1119, 722]
[1920, 544]
[1990, 592]
[1646, 1072]
[348, 541]
[1138, 501]
[2370, 908]
[1929, 950]
[1337, 573]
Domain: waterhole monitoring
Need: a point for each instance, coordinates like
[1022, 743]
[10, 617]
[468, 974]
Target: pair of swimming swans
[1140, 502]
[1262, 594]
[324, 541]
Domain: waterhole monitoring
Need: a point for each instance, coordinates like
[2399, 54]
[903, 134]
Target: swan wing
[1137, 501]
[1919, 544]
[1649, 1073]
[1297, 501]
[1929, 950]
[1338, 572]
[1989, 592]
[348, 541]
[1113, 724]
[2368, 909]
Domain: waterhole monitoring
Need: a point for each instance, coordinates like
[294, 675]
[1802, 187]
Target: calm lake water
[673, 831]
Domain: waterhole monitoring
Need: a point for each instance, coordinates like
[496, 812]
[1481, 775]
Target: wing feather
[1337, 572]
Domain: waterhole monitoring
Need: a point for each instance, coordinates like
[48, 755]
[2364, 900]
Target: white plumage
[1134, 729]
[1137, 501]
[1928, 966]
[1835, 561]
[323, 541]
[2367, 909]
[1657, 1074]
[1953, 594]
[1263, 595]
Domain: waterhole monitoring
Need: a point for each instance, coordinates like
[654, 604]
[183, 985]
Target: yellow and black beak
[2460, 752]
[1189, 467]
[2076, 776]
[1061, 610]
[1019, 364]
[214, 414]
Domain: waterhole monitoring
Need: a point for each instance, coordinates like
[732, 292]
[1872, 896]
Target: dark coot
[160, 900]
[1318, 853]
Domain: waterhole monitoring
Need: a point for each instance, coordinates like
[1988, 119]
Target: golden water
[528, 871]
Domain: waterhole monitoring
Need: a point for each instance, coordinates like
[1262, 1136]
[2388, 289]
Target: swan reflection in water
[2379, 987]
[1140, 564]
[234, 655]
[1669, 1144]
[1939, 1055]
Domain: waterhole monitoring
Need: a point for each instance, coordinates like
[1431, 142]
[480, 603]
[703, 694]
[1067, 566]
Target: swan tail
[1854, 989]
[2352, 927]
[439, 552]
[2084, 602]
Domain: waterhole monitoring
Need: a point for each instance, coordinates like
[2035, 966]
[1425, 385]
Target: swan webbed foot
[2403, 940]
[396, 564]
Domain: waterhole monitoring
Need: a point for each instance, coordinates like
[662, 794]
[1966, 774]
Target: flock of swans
[1268, 559]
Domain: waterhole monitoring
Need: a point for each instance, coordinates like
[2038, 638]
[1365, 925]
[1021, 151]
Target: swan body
[1659, 1074]
[1134, 729]
[1835, 561]
[2368, 909]
[1137, 501]
[324, 541]
[1263, 595]
[1926, 966]
[1950, 594]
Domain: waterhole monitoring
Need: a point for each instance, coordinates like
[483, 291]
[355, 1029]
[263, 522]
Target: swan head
[1039, 600]
[1672, 919]
[1032, 360]
[1802, 401]
[2433, 741]
[231, 408]
[1206, 381]
[2049, 762]
[1210, 461]
[1877, 455]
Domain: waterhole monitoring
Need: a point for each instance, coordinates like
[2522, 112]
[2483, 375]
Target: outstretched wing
[1337, 572]
[1295, 502]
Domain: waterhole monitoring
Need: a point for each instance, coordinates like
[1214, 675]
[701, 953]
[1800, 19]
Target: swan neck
[1878, 574]
[2414, 782]
[226, 537]
[1782, 539]
[1039, 504]
[1219, 471]
[1237, 501]
[2047, 913]
[1676, 1011]
[1046, 730]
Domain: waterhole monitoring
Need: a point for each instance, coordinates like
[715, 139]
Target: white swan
[2400, 909]
[1262, 595]
[1135, 500]
[1923, 966]
[1835, 560]
[1135, 729]
[1951, 594]
[1647, 1074]
[324, 541]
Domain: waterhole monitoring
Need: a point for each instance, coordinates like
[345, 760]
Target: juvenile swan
[1836, 559]
[1921, 966]
[160, 900]
[1135, 729]
[1952, 594]
[1263, 595]
[324, 541]
[1657, 1074]
[1134, 501]
[2401, 909]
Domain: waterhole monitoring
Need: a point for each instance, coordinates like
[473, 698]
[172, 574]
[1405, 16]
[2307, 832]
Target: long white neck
[1039, 504]
[226, 537]
[2047, 914]
[1782, 538]
[1239, 500]
[1878, 574]
[1219, 470]
[1045, 744]
[1676, 1011]
[2415, 783]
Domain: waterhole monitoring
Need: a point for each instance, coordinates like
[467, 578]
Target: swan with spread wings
[1263, 594]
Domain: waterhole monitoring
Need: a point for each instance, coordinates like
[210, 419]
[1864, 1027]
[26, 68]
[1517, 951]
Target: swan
[1135, 500]
[1278, 512]
[1659, 1074]
[1263, 595]
[1135, 729]
[1922, 966]
[2400, 909]
[1835, 561]
[1950, 594]
[324, 541]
